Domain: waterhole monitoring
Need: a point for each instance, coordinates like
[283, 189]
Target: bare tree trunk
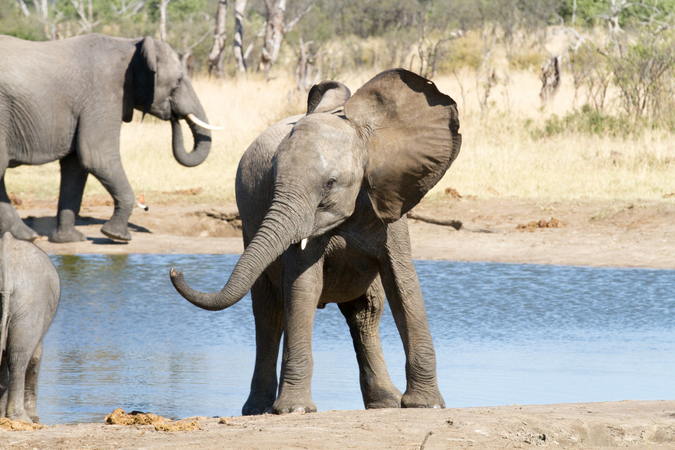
[162, 19]
[90, 12]
[24, 8]
[304, 69]
[274, 34]
[219, 39]
[238, 46]
[550, 79]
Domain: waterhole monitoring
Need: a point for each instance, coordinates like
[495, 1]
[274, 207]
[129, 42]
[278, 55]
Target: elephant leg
[73, 179]
[363, 317]
[407, 306]
[9, 218]
[268, 312]
[18, 363]
[115, 181]
[30, 389]
[4, 385]
[302, 280]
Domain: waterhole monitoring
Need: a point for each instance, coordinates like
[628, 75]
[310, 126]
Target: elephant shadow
[45, 226]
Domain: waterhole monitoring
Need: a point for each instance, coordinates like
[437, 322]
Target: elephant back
[254, 183]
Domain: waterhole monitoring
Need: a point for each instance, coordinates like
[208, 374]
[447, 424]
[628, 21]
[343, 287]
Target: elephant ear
[143, 69]
[411, 131]
[327, 96]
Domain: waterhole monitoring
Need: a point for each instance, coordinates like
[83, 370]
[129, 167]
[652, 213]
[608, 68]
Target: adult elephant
[323, 200]
[66, 100]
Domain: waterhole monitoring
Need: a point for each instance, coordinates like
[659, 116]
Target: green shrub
[590, 121]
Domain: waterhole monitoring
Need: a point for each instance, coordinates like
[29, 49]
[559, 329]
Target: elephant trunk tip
[177, 280]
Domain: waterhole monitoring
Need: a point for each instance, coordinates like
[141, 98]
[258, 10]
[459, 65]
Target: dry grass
[499, 157]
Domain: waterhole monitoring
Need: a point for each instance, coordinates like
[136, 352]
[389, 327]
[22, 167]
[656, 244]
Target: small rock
[452, 193]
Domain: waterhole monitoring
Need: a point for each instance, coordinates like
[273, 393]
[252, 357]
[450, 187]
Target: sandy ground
[629, 424]
[595, 233]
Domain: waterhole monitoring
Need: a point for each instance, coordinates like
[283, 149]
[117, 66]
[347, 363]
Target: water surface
[504, 334]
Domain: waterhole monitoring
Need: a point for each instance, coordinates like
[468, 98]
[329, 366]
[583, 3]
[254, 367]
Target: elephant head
[156, 83]
[392, 140]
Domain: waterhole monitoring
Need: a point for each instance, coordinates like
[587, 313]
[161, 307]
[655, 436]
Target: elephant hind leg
[30, 389]
[18, 363]
[363, 317]
[4, 385]
[268, 310]
[73, 180]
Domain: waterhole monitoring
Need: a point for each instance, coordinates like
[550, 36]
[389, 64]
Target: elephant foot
[422, 400]
[382, 397]
[70, 234]
[286, 405]
[23, 417]
[23, 232]
[257, 405]
[116, 231]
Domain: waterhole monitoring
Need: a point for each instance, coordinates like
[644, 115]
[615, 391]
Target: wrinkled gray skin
[29, 295]
[66, 100]
[343, 179]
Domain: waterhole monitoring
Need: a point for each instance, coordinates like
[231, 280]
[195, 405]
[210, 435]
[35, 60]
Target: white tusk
[192, 118]
[303, 244]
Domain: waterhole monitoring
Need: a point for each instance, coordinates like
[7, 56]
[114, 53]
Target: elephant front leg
[73, 180]
[363, 317]
[115, 181]
[302, 280]
[268, 312]
[10, 220]
[407, 306]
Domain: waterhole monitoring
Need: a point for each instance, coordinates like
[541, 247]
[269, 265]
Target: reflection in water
[504, 334]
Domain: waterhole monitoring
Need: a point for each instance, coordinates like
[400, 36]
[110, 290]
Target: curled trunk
[202, 145]
[276, 233]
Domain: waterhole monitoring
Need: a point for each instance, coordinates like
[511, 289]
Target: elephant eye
[330, 183]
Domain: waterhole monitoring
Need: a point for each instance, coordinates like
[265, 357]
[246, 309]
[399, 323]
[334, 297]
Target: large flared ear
[139, 85]
[327, 96]
[411, 131]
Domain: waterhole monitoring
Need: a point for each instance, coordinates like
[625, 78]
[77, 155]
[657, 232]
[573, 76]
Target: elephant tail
[4, 320]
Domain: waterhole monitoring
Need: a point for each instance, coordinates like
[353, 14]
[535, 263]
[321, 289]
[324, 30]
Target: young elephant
[30, 290]
[323, 200]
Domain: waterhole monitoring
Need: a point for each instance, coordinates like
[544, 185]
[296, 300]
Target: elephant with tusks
[66, 100]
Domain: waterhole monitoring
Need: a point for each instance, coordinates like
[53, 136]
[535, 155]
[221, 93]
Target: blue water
[504, 334]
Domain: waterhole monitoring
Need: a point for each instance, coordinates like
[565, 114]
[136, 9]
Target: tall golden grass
[499, 156]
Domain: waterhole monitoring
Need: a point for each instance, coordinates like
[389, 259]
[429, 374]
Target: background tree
[238, 44]
[219, 39]
[274, 33]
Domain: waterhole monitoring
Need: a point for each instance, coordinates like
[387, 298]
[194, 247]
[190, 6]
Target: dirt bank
[592, 233]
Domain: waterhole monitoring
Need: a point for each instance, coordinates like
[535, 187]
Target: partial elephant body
[323, 200]
[29, 291]
[66, 100]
